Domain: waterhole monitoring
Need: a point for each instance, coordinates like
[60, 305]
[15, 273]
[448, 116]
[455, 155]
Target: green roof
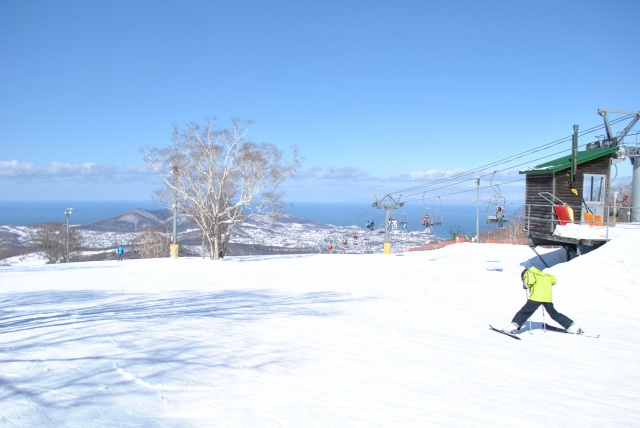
[564, 162]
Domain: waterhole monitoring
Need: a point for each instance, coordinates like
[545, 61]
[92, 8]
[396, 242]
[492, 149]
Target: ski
[553, 328]
[562, 330]
[504, 332]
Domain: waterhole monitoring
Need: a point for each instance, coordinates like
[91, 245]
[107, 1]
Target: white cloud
[434, 174]
[335, 173]
[84, 169]
[138, 170]
[17, 169]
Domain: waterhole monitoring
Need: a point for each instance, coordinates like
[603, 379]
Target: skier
[500, 216]
[539, 285]
[120, 252]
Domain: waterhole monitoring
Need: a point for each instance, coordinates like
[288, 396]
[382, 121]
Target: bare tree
[220, 177]
[512, 232]
[154, 242]
[622, 202]
[50, 239]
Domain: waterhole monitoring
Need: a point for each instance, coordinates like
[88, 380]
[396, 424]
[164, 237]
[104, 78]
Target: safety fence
[545, 217]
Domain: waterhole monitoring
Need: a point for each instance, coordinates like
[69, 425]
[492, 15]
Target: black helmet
[523, 272]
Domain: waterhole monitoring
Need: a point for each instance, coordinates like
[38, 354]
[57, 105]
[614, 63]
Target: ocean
[452, 218]
[460, 218]
[22, 213]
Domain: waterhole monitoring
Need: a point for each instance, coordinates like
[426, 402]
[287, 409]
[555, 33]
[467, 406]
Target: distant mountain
[132, 221]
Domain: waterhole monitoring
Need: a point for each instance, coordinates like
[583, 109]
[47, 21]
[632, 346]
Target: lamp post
[67, 213]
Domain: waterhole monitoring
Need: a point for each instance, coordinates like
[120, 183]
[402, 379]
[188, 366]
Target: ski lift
[403, 220]
[432, 217]
[370, 225]
[393, 221]
[496, 206]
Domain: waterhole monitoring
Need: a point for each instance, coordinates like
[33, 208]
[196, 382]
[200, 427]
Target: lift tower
[633, 153]
[388, 202]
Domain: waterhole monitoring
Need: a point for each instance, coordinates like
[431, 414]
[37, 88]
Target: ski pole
[544, 322]
[526, 292]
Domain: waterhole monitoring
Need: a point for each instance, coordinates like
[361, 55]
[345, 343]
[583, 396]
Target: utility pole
[574, 155]
[67, 213]
[389, 203]
[477, 181]
[174, 247]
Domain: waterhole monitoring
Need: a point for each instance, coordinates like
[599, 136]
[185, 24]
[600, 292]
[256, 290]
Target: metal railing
[611, 216]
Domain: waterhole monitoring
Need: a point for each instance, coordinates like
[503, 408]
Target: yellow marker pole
[174, 250]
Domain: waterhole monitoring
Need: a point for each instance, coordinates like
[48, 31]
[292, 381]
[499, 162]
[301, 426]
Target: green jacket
[539, 284]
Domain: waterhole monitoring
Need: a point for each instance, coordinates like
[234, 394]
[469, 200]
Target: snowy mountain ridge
[258, 235]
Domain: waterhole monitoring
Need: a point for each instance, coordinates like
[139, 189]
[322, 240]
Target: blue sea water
[454, 217]
[22, 213]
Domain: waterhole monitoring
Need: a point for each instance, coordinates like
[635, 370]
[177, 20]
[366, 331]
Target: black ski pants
[530, 307]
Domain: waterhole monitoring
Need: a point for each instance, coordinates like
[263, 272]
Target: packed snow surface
[367, 340]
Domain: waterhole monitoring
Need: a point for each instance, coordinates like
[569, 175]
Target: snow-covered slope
[364, 340]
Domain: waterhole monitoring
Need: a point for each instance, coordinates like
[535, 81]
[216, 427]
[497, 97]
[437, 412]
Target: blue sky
[379, 96]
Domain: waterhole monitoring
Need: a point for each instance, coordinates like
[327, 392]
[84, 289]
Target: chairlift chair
[369, 221]
[563, 211]
[434, 214]
[404, 220]
[497, 205]
[393, 221]
[495, 202]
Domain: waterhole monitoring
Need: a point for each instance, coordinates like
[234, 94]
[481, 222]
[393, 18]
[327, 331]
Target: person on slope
[539, 285]
[120, 252]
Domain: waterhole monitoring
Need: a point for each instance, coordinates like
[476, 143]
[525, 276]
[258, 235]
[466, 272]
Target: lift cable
[464, 191]
[512, 158]
[467, 173]
[485, 175]
[474, 171]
